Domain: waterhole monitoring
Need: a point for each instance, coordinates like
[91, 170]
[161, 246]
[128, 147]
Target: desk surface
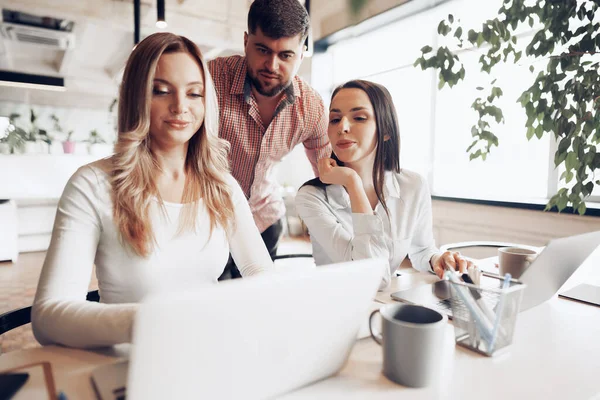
[555, 355]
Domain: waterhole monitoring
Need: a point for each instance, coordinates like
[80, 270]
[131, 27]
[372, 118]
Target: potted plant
[45, 141]
[97, 146]
[4, 146]
[36, 139]
[68, 145]
[13, 139]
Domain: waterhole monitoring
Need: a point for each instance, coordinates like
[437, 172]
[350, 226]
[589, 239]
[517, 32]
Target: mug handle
[374, 334]
[531, 258]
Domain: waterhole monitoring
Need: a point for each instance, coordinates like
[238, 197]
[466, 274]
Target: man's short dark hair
[278, 18]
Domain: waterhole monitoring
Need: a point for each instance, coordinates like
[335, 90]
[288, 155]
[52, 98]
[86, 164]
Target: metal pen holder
[484, 318]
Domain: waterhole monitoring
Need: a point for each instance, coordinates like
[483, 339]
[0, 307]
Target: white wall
[36, 181]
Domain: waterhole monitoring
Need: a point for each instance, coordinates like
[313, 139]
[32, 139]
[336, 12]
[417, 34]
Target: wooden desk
[555, 355]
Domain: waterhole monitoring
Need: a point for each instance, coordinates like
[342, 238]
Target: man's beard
[274, 91]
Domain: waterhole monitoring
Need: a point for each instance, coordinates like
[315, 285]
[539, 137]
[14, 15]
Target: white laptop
[251, 338]
[544, 277]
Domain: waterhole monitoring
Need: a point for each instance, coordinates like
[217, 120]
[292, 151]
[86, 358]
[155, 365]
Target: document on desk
[363, 331]
[488, 264]
[585, 293]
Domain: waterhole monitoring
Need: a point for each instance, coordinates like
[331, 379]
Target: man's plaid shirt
[255, 149]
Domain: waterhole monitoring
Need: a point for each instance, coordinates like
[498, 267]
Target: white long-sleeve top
[85, 234]
[339, 235]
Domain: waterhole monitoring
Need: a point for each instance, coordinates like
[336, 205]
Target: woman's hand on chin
[331, 173]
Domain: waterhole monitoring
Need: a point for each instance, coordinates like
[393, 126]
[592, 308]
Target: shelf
[38, 176]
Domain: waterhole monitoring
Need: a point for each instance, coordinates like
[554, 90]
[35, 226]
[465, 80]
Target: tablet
[585, 293]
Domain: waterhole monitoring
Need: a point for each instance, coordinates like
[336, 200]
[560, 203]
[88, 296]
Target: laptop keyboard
[445, 306]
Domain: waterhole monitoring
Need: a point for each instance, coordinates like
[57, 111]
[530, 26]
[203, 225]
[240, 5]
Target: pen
[478, 299]
[505, 285]
[485, 326]
[475, 274]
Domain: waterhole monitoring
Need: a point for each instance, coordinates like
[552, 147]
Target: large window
[411, 93]
[435, 125]
[516, 169]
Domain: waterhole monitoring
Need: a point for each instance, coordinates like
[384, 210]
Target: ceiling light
[161, 23]
[31, 81]
[136, 22]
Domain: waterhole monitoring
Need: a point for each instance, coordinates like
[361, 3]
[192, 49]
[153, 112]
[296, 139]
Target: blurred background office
[61, 64]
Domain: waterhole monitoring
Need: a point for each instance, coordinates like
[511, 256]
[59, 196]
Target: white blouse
[85, 234]
[339, 235]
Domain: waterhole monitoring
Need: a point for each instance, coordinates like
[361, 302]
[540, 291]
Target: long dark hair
[387, 153]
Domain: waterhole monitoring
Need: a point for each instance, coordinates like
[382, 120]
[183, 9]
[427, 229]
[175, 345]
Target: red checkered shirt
[256, 149]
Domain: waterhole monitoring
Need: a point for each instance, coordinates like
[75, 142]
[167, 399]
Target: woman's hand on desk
[449, 259]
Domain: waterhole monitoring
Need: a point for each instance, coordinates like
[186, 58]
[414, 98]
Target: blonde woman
[163, 207]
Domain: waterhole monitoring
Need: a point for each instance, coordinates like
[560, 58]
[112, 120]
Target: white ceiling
[103, 39]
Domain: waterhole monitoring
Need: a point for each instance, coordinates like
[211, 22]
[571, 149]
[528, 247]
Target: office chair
[293, 260]
[284, 256]
[22, 316]
[477, 249]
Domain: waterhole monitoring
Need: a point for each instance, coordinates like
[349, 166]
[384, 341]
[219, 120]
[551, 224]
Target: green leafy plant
[113, 104]
[95, 137]
[563, 99]
[112, 112]
[59, 128]
[14, 136]
[36, 133]
[357, 5]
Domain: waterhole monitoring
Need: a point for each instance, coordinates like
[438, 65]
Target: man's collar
[239, 77]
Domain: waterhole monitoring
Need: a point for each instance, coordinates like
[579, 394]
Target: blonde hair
[134, 166]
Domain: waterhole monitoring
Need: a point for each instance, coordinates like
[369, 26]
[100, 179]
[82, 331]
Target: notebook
[584, 293]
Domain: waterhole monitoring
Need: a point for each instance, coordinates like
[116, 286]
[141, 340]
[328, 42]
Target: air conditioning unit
[40, 36]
